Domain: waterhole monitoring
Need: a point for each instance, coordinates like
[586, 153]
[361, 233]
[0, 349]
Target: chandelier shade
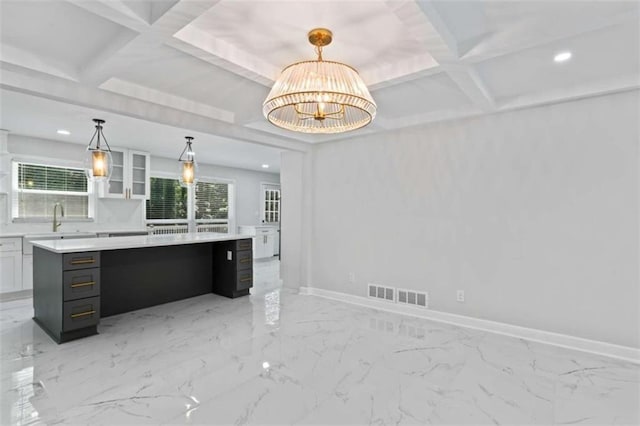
[319, 96]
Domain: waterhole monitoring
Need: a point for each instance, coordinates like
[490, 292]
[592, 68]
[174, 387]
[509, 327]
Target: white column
[295, 223]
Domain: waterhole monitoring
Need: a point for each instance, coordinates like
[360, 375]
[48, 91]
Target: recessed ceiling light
[265, 166]
[64, 132]
[562, 57]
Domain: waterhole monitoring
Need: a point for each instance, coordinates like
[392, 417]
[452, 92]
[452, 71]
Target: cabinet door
[139, 186]
[269, 240]
[258, 247]
[263, 244]
[27, 272]
[10, 271]
[115, 187]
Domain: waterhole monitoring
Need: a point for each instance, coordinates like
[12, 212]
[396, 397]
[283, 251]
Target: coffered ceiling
[206, 66]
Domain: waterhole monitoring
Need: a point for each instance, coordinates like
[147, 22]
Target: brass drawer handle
[246, 260]
[82, 314]
[84, 284]
[244, 280]
[82, 261]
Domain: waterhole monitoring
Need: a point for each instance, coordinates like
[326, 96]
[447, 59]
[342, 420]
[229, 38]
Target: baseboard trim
[16, 295]
[556, 339]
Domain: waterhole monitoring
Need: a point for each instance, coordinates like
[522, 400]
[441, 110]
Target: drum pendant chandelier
[319, 96]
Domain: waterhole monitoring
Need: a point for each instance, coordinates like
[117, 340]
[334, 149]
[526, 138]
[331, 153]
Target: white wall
[129, 214]
[534, 213]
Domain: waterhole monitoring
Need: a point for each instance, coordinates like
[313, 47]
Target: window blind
[212, 200]
[168, 200]
[39, 187]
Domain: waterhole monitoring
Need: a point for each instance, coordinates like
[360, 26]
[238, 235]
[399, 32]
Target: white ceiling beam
[149, 94]
[470, 82]
[23, 58]
[447, 48]
[199, 45]
[487, 47]
[45, 86]
[150, 36]
[621, 84]
[444, 50]
[114, 11]
[406, 78]
[429, 117]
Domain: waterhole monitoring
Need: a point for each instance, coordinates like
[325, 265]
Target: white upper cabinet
[130, 175]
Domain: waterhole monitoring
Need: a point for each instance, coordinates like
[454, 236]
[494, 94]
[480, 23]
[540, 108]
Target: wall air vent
[381, 292]
[412, 297]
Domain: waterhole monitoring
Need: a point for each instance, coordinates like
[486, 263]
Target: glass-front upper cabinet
[116, 185]
[130, 175]
[139, 175]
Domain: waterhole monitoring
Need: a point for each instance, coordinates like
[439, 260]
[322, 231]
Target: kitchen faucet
[57, 224]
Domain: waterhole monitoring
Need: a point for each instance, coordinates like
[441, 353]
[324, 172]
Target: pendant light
[188, 166]
[98, 163]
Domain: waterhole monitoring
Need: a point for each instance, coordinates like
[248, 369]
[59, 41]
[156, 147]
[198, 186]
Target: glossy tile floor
[281, 358]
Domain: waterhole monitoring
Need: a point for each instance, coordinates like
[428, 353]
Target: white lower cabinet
[27, 272]
[10, 264]
[263, 240]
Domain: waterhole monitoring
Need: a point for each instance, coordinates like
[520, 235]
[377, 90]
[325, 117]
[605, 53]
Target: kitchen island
[76, 282]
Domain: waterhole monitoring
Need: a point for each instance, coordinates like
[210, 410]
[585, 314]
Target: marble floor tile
[277, 357]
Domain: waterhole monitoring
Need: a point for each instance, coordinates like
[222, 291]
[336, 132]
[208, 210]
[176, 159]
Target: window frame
[172, 176]
[191, 202]
[15, 191]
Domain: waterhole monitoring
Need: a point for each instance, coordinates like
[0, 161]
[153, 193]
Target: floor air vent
[381, 292]
[412, 297]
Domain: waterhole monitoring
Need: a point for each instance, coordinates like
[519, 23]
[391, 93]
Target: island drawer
[80, 313]
[244, 244]
[245, 280]
[81, 283]
[244, 259]
[88, 259]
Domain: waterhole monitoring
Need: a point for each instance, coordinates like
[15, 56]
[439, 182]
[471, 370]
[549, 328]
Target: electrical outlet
[352, 277]
[460, 296]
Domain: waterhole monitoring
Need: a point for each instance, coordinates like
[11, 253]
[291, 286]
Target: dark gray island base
[73, 290]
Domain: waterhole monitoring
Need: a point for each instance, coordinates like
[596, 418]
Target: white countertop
[65, 232]
[117, 243]
[12, 235]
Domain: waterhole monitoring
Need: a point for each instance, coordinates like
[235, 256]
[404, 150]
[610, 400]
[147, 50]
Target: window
[37, 188]
[173, 208]
[168, 200]
[212, 200]
[270, 203]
